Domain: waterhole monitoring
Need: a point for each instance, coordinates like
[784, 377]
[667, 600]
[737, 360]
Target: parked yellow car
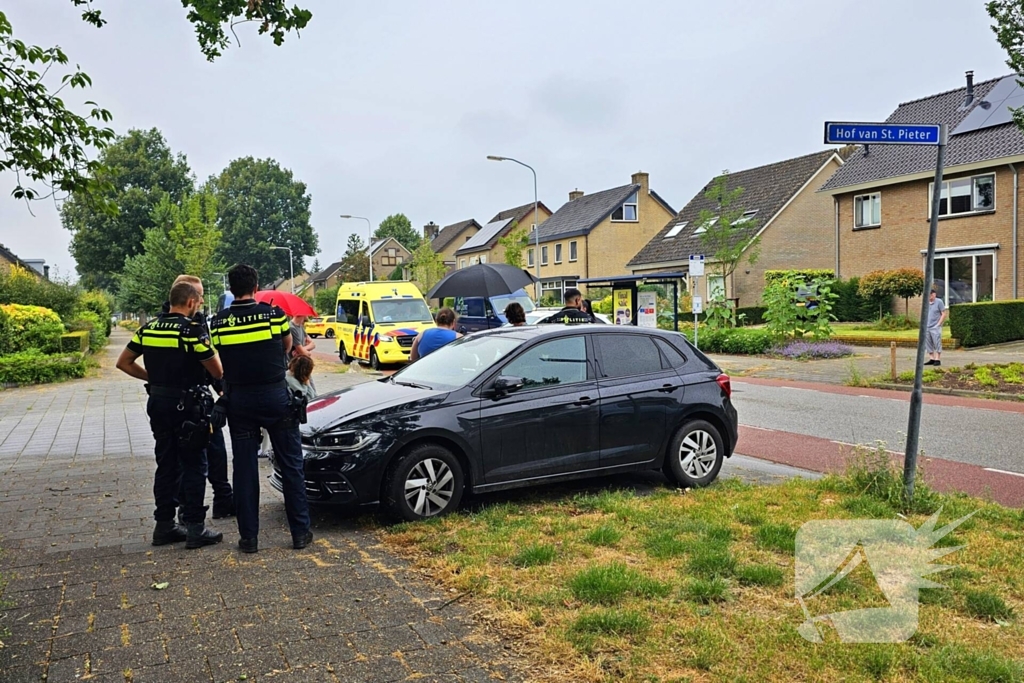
[316, 327]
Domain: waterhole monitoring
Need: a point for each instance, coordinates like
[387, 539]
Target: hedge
[808, 274]
[29, 327]
[88, 321]
[98, 303]
[738, 340]
[75, 342]
[34, 367]
[989, 322]
[754, 315]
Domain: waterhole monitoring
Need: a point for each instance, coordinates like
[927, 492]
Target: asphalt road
[980, 436]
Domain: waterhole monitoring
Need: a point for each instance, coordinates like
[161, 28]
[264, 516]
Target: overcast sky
[392, 106]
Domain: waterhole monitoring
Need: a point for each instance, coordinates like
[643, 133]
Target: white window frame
[966, 253]
[747, 215]
[632, 200]
[574, 251]
[529, 257]
[676, 229]
[703, 227]
[558, 253]
[947, 187]
[860, 198]
[544, 255]
[483, 258]
[462, 263]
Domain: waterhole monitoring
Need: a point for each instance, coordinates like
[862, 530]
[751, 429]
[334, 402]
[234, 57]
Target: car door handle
[669, 388]
[585, 401]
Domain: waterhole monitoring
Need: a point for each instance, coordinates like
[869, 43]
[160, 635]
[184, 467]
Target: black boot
[168, 532]
[224, 507]
[199, 535]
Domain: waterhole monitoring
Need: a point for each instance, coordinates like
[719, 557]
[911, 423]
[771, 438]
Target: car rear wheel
[329, 334]
[343, 354]
[695, 455]
[425, 482]
[374, 360]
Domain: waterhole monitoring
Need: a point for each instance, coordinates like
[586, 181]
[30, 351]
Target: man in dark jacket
[572, 313]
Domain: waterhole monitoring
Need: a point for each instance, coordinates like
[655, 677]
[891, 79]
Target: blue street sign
[883, 133]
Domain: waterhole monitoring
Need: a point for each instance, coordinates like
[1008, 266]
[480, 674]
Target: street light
[369, 231]
[291, 268]
[536, 223]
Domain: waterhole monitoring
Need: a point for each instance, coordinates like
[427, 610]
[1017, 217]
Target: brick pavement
[76, 470]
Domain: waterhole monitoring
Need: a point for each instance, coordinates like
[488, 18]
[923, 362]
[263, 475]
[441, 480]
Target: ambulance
[377, 322]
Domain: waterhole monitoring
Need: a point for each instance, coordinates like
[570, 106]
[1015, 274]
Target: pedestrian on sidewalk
[299, 377]
[178, 355]
[937, 313]
[254, 339]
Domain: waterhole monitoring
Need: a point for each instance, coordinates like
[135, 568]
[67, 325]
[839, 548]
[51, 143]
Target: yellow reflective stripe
[247, 338]
[250, 326]
[161, 333]
[136, 338]
[160, 342]
[200, 347]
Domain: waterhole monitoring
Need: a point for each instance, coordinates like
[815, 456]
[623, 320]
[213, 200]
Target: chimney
[46, 272]
[969, 99]
[643, 180]
[575, 194]
[430, 230]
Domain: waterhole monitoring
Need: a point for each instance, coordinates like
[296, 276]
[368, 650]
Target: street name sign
[883, 133]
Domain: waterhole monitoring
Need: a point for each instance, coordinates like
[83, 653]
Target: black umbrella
[484, 279]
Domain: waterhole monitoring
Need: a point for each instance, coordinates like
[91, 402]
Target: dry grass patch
[698, 585]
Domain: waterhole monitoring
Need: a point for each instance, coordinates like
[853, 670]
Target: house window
[716, 288]
[965, 278]
[391, 257]
[572, 251]
[703, 227]
[628, 211]
[462, 263]
[965, 195]
[558, 253]
[400, 259]
[473, 260]
[747, 215]
[544, 256]
[552, 288]
[529, 256]
[675, 229]
[867, 211]
[483, 258]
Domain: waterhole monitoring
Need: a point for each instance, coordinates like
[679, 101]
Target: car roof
[555, 329]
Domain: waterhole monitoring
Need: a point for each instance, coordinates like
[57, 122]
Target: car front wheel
[374, 360]
[695, 455]
[426, 482]
[343, 354]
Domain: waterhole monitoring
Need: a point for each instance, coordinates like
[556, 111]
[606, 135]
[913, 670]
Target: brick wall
[898, 242]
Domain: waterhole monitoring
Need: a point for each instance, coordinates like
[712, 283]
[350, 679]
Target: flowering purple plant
[801, 350]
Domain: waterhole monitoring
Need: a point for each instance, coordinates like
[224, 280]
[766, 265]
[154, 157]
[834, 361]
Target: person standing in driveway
[937, 313]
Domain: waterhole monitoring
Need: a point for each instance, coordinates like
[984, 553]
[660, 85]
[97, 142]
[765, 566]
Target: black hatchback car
[520, 406]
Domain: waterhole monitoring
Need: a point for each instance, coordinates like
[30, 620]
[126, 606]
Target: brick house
[447, 240]
[483, 247]
[780, 203]
[36, 267]
[594, 235]
[325, 279]
[386, 255]
[882, 196]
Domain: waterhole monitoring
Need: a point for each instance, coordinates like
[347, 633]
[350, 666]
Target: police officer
[250, 337]
[572, 313]
[178, 355]
[216, 450]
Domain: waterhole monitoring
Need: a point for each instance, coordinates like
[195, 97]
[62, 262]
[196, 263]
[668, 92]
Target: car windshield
[499, 303]
[458, 363]
[534, 317]
[401, 311]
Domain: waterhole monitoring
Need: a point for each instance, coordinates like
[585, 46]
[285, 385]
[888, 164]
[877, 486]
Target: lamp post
[291, 268]
[536, 223]
[369, 233]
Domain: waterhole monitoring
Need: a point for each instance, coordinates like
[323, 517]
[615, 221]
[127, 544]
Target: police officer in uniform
[572, 313]
[250, 337]
[178, 355]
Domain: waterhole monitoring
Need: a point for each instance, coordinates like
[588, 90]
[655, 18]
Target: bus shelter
[624, 294]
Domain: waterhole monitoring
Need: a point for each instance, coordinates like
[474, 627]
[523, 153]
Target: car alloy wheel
[329, 334]
[343, 354]
[426, 482]
[695, 455]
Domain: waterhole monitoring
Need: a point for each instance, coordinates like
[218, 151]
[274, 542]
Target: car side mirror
[506, 384]
[364, 321]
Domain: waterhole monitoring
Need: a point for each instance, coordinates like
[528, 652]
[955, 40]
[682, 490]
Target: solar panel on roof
[996, 109]
[484, 236]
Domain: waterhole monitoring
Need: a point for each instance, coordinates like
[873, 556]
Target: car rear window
[672, 358]
[625, 355]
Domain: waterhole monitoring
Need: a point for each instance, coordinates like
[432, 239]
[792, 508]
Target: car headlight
[386, 338]
[345, 441]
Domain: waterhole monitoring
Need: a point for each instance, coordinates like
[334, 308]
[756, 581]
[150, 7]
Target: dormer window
[703, 228]
[676, 229]
[628, 211]
[747, 215]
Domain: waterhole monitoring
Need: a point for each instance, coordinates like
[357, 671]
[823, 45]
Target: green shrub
[89, 322]
[739, 341]
[989, 322]
[98, 303]
[29, 327]
[130, 325]
[35, 367]
[852, 306]
[808, 274]
[21, 286]
[75, 342]
[751, 315]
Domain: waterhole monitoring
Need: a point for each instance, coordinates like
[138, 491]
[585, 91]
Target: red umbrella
[289, 303]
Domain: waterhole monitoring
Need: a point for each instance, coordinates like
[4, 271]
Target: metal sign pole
[696, 288]
[917, 396]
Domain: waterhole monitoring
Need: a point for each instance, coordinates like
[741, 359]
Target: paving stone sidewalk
[76, 467]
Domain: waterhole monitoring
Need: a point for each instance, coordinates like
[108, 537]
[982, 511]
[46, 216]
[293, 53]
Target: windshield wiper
[410, 384]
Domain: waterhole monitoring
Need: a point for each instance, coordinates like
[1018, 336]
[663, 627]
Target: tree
[315, 268]
[399, 227]
[728, 235]
[136, 173]
[325, 300]
[883, 285]
[355, 264]
[45, 143]
[514, 243]
[1008, 16]
[426, 267]
[185, 240]
[261, 205]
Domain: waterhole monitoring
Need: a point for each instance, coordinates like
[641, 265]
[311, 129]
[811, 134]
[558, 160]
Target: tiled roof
[450, 232]
[11, 257]
[326, 272]
[519, 213]
[580, 216]
[891, 161]
[766, 189]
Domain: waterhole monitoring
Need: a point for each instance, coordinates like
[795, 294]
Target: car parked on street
[478, 313]
[520, 406]
[317, 327]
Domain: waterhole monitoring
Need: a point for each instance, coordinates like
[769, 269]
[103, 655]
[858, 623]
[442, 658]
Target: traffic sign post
[696, 271]
[935, 135]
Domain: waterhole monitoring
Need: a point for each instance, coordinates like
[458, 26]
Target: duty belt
[165, 391]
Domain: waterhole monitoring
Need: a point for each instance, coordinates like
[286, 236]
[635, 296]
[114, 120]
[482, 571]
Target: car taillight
[726, 384]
